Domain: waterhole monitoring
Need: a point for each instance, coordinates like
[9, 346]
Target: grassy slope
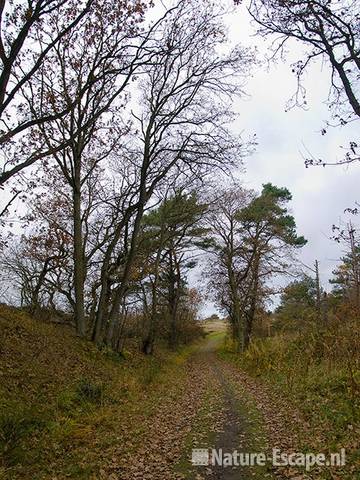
[64, 405]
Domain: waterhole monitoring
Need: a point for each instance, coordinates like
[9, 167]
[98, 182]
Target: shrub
[90, 392]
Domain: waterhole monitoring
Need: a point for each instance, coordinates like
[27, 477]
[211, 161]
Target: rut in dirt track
[220, 389]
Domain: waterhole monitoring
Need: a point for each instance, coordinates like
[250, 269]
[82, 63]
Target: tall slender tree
[254, 243]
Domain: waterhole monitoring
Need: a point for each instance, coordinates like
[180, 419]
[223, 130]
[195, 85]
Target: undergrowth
[317, 369]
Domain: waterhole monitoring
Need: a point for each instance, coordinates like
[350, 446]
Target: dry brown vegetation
[66, 407]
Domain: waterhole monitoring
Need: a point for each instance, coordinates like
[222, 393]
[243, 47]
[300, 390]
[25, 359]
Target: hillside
[65, 405]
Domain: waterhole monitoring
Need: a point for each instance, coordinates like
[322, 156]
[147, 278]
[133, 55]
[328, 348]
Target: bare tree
[331, 33]
[33, 262]
[227, 272]
[26, 42]
[185, 109]
[331, 30]
[34, 71]
[95, 65]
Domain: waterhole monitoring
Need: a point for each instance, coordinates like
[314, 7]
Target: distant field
[215, 326]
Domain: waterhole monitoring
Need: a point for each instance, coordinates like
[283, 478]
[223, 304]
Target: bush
[88, 391]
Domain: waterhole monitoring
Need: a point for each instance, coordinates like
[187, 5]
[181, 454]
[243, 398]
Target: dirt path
[233, 430]
[219, 408]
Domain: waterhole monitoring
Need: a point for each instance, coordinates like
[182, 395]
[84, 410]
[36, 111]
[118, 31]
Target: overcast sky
[320, 195]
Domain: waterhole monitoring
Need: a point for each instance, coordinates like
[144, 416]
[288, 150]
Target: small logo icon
[200, 456]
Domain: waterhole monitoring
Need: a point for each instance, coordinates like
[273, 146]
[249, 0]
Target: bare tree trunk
[173, 298]
[143, 196]
[35, 303]
[148, 343]
[237, 327]
[101, 311]
[79, 266]
[120, 292]
[354, 266]
[318, 290]
[236, 317]
[250, 314]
